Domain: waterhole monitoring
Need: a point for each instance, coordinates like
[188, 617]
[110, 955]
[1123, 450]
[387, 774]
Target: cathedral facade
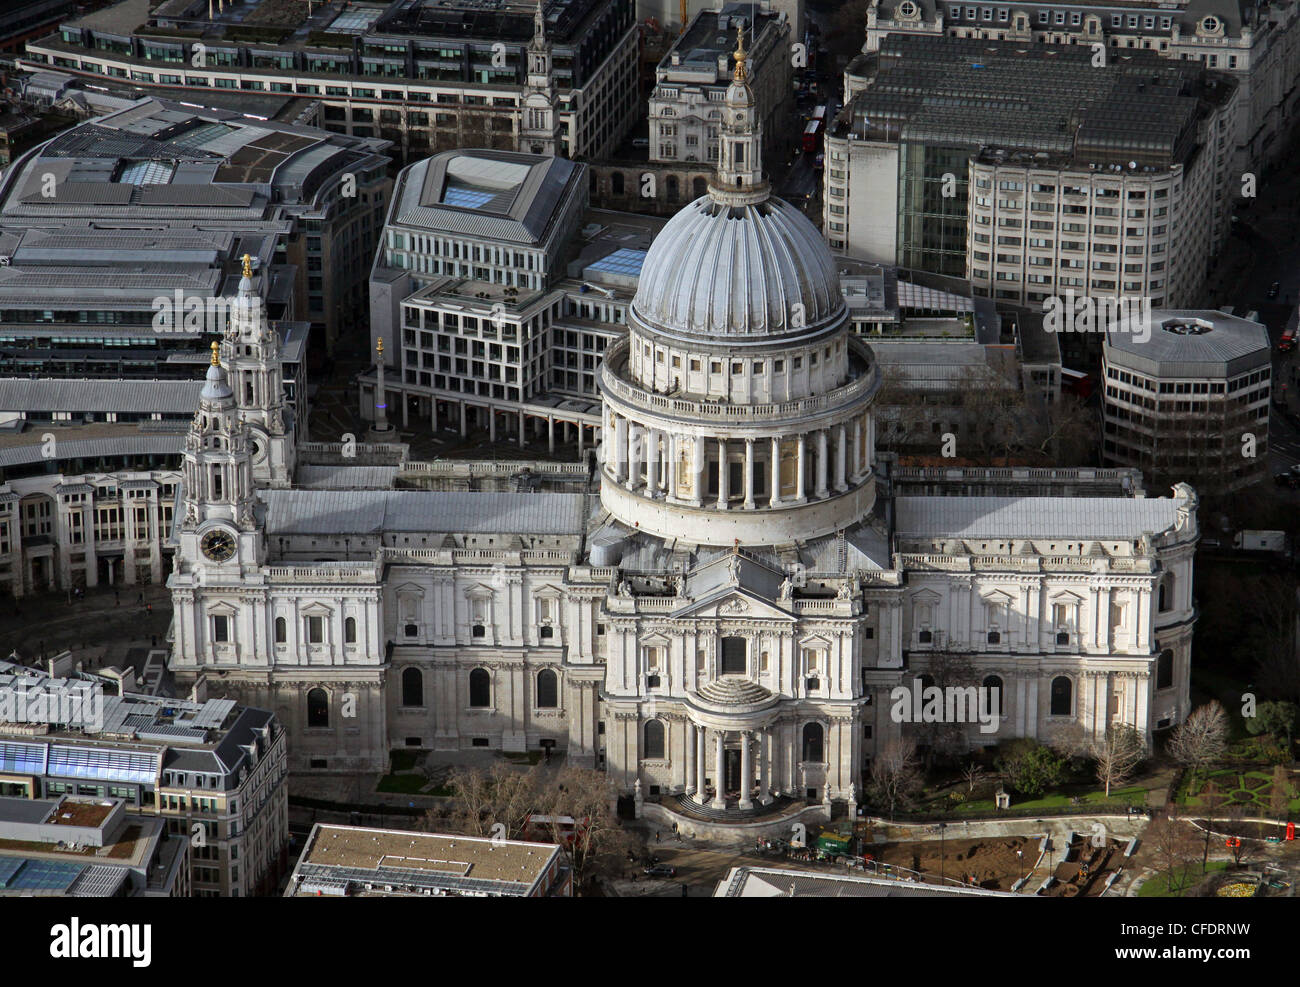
[721, 613]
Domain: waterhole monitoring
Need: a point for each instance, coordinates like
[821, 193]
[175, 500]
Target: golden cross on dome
[248, 265]
[740, 52]
[215, 361]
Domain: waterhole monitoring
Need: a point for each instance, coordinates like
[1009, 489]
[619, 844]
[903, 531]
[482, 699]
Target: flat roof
[1074, 518]
[357, 856]
[1045, 98]
[772, 882]
[1190, 343]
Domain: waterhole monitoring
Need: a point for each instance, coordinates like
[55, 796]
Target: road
[1264, 248]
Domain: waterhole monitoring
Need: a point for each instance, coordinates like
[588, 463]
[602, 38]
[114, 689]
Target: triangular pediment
[734, 603]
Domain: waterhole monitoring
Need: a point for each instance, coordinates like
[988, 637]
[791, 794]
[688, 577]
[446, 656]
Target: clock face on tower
[218, 545]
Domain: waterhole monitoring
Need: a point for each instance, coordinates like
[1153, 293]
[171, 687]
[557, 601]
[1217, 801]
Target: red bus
[812, 131]
[1287, 342]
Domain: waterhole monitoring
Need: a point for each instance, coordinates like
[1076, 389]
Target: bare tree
[1281, 792]
[1212, 800]
[895, 774]
[1243, 849]
[579, 806]
[1201, 739]
[1175, 847]
[1118, 755]
[945, 739]
[471, 806]
[971, 773]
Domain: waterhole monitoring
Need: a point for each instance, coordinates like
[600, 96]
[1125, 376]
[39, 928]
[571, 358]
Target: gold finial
[740, 52]
[248, 265]
[380, 347]
[215, 361]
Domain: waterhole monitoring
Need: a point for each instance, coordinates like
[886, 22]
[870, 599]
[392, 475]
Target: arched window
[616, 182]
[1062, 696]
[1165, 594]
[480, 688]
[733, 656]
[412, 687]
[350, 630]
[673, 188]
[700, 187]
[1165, 669]
[548, 690]
[318, 708]
[281, 630]
[654, 739]
[998, 700]
[812, 742]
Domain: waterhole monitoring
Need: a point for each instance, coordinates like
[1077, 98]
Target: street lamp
[942, 835]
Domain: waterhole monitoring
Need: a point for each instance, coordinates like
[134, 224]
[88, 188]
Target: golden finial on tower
[248, 265]
[216, 362]
[379, 348]
[740, 52]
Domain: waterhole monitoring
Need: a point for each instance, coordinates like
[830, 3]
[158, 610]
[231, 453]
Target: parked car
[661, 870]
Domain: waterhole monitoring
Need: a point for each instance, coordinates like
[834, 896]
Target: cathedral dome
[718, 269]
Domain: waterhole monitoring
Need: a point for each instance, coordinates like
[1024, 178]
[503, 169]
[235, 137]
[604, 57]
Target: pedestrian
[139, 598]
[149, 608]
[656, 836]
[117, 598]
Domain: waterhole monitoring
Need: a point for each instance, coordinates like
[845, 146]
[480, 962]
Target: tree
[1030, 767]
[946, 740]
[586, 796]
[1213, 800]
[1174, 845]
[1276, 718]
[1280, 795]
[1201, 739]
[971, 773]
[1243, 849]
[1118, 755]
[895, 774]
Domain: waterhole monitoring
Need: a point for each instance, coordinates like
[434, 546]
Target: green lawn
[403, 784]
[1132, 795]
[1158, 886]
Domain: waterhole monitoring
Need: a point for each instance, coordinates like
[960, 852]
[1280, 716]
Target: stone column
[764, 769]
[857, 447]
[651, 462]
[522, 441]
[581, 433]
[633, 456]
[799, 494]
[674, 464]
[749, 474]
[746, 771]
[620, 445]
[840, 457]
[720, 772]
[691, 782]
[822, 492]
[550, 443]
[775, 499]
[698, 499]
[701, 769]
[722, 474]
